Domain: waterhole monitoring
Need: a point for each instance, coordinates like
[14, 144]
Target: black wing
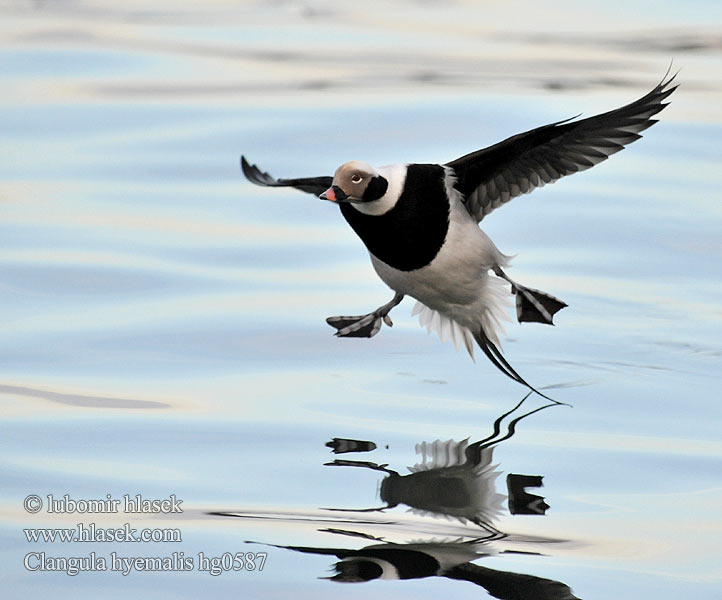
[490, 177]
[312, 185]
[511, 586]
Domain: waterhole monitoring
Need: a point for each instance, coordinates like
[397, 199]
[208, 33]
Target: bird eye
[356, 178]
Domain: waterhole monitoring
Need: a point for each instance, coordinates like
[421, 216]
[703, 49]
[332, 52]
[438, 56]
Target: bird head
[356, 182]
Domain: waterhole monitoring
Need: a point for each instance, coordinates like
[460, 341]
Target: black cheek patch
[375, 189]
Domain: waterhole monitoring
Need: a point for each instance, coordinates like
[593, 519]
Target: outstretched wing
[312, 185]
[510, 586]
[490, 177]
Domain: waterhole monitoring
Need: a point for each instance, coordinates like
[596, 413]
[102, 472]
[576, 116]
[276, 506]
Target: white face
[395, 176]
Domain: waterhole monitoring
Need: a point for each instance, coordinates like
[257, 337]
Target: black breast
[410, 235]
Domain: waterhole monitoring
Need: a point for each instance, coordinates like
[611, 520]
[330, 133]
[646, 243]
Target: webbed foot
[534, 306]
[365, 325]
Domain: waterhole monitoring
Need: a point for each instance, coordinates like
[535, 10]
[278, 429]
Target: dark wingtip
[248, 170]
[665, 88]
[666, 80]
[255, 175]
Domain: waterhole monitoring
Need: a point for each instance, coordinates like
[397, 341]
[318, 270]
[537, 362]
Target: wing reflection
[452, 560]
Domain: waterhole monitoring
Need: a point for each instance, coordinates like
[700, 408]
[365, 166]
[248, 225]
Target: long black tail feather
[496, 357]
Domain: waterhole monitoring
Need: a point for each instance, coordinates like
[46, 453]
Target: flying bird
[420, 223]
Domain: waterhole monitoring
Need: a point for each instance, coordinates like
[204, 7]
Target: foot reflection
[343, 445]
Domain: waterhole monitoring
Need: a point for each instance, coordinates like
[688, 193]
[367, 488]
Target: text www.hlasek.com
[91, 533]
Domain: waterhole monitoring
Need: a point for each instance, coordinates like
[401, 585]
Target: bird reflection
[455, 480]
[458, 480]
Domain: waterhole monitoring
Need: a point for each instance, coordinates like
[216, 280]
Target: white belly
[457, 282]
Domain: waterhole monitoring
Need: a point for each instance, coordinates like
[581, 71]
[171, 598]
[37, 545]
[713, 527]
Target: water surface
[163, 320]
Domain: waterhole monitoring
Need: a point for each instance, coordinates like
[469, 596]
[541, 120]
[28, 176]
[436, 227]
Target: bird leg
[532, 305]
[365, 325]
